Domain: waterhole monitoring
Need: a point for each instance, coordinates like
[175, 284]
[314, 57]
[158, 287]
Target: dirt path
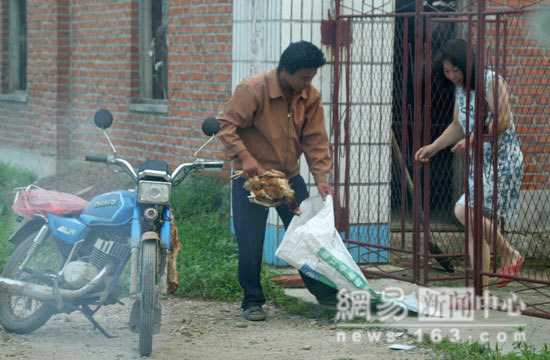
[194, 329]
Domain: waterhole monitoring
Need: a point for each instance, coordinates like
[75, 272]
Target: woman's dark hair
[301, 55]
[456, 51]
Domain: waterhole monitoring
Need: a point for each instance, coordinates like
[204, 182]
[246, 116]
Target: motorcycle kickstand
[85, 309]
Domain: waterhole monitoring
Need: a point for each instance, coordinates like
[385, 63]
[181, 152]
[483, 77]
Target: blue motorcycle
[70, 257]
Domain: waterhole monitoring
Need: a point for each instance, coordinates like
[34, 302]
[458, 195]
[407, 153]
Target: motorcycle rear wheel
[148, 295]
[21, 314]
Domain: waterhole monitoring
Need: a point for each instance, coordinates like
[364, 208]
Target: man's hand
[250, 166]
[325, 189]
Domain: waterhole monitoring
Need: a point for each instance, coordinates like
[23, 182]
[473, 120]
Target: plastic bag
[42, 201]
[313, 245]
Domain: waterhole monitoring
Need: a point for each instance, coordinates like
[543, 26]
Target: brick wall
[527, 71]
[40, 123]
[84, 55]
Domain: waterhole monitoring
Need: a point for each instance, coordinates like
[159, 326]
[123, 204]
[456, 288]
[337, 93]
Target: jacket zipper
[288, 133]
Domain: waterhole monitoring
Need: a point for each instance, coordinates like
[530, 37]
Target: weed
[10, 177]
[447, 349]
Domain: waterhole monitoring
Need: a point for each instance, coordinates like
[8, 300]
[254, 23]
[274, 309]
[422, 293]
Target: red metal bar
[515, 277]
[386, 275]
[336, 112]
[404, 127]
[427, 140]
[467, 205]
[496, 104]
[453, 13]
[505, 50]
[537, 314]
[440, 278]
[478, 150]
[347, 145]
[378, 246]
[418, 22]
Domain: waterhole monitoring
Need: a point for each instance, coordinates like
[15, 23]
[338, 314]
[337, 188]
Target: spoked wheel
[21, 314]
[148, 295]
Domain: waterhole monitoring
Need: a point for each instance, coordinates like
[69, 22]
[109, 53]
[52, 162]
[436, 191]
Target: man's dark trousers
[249, 221]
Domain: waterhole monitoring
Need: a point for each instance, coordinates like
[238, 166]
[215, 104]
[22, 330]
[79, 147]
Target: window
[153, 49]
[17, 47]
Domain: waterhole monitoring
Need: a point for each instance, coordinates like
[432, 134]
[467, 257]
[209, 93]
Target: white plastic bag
[313, 245]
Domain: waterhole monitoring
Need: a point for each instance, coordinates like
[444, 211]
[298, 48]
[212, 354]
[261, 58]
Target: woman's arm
[452, 134]
[503, 103]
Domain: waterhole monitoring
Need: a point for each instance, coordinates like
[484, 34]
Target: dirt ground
[193, 329]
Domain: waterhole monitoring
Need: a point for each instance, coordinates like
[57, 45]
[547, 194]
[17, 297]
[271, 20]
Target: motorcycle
[70, 254]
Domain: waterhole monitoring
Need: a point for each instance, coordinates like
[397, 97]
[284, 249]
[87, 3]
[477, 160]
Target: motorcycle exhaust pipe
[45, 293]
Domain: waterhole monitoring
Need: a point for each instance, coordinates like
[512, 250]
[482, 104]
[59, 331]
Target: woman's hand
[460, 146]
[425, 153]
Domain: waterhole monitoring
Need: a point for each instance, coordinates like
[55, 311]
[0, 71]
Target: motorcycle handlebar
[213, 164]
[182, 168]
[94, 158]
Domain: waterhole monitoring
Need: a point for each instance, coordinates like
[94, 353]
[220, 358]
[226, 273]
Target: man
[271, 119]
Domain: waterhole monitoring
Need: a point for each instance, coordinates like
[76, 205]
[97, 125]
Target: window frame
[17, 27]
[147, 85]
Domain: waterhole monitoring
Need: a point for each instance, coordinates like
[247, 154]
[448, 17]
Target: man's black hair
[301, 55]
[456, 51]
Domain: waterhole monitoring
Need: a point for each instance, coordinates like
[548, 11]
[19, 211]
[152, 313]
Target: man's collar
[274, 87]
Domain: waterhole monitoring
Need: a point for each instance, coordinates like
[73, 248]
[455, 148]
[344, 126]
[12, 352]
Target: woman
[450, 66]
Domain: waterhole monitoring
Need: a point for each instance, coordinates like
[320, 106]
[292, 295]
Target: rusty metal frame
[421, 125]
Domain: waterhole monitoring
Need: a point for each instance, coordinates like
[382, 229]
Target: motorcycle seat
[41, 201]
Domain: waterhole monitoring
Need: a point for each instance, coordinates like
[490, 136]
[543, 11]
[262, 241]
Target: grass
[447, 349]
[10, 177]
[207, 264]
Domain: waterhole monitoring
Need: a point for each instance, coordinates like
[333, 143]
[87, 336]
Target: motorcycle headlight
[154, 192]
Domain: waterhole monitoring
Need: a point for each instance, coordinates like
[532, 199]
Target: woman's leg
[460, 212]
[509, 256]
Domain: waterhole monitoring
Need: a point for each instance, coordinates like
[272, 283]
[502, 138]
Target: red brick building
[82, 55]
[161, 66]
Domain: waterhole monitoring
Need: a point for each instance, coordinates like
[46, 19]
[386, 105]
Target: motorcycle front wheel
[148, 295]
[21, 314]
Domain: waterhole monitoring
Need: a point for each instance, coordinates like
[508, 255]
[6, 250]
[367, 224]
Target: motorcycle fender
[135, 317]
[150, 235]
[24, 229]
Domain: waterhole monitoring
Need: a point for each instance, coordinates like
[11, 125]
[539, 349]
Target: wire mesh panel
[363, 137]
[522, 57]
[391, 92]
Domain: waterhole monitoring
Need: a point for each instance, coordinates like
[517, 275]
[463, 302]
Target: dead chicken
[269, 189]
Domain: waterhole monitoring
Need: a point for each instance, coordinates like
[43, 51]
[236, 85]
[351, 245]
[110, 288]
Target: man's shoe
[254, 313]
[329, 300]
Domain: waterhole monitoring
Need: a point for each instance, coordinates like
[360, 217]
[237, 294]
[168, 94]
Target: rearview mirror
[210, 126]
[103, 118]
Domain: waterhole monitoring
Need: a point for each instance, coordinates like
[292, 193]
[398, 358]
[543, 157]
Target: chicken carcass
[269, 189]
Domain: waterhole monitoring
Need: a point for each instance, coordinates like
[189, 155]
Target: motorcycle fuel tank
[114, 208]
[67, 229]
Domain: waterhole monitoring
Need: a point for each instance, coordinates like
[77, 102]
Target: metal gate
[398, 214]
